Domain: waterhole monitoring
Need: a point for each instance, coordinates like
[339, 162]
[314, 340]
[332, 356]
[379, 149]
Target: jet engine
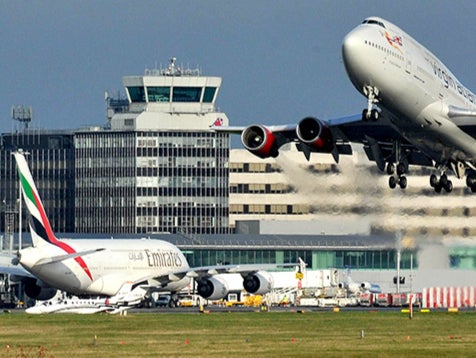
[315, 134]
[212, 288]
[372, 288]
[258, 283]
[352, 287]
[38, 292]
[260, 141]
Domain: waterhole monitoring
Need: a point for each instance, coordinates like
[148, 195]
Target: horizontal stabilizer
[59, 258]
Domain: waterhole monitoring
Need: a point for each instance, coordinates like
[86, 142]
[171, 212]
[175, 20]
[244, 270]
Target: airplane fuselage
[415, 89]
[104, 272]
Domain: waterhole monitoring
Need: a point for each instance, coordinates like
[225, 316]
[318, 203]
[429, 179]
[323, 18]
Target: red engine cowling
[315, 134]
[260, 141]
[213, 288]
[258, 283]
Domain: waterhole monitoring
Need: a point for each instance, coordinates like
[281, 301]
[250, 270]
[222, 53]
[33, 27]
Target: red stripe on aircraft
[53, 240]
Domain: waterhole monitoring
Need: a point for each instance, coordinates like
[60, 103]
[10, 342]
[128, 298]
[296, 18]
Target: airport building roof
[253, 241]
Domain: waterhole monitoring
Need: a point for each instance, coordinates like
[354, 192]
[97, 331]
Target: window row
[171, 94]
[277, 188]
[254, 168]
[297, 209]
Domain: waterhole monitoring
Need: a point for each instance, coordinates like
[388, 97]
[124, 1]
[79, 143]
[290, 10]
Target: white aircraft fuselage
[423, 99]
[104, 272]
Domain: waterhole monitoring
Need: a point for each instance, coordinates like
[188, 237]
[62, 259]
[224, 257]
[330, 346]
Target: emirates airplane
[112, 267]
[417, 112]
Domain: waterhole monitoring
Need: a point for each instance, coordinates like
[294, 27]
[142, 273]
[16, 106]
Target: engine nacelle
[372, 288]
[315, 134]
[260, 141]
[258, 283]
[37, 292]
[212, 288]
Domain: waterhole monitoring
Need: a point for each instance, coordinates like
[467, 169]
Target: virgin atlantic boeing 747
[417, 112]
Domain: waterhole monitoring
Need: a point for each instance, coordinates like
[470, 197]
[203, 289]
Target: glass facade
[186, 94]
[179, 94]
[51, 160]
[383, 259]
[105, 182]
[182, 182]
[146, 182]
[209, 94]
[158, 94]
[136, 93]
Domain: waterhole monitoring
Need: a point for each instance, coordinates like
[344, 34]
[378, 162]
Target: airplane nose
[353, 55]
[350, 47]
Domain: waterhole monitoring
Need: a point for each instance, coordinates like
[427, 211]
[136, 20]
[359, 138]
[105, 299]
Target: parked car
[163, 301]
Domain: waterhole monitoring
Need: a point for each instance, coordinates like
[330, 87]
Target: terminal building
[156, 167]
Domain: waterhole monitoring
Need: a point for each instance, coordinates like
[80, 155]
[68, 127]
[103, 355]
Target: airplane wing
[208, 271]
[332, 136]
[378, 139]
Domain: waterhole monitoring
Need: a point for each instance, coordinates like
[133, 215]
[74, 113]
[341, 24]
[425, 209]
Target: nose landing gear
[370, 114]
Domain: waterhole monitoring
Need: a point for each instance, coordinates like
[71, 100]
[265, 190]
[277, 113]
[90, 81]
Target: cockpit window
[375, 22]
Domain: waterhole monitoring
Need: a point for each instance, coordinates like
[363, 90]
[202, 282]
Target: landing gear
[442, 183]
[370, 114]
[398, 179]
[397, 172]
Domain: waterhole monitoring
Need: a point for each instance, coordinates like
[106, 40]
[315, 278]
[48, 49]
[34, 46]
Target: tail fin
[41, 232]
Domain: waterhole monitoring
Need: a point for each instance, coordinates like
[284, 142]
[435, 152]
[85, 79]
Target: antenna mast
[22, 114]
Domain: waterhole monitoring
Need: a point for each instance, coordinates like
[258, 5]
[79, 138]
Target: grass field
[265, 334]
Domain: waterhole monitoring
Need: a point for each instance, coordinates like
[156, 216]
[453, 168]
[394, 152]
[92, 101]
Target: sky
[280, 60]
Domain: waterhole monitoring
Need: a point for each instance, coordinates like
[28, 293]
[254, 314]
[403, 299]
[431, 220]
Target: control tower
[157, 97]
[159, 168]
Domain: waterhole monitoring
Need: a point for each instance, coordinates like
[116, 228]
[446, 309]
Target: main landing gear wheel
[442, 183]
[399, 178]
[401, 181]
[390, 168]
